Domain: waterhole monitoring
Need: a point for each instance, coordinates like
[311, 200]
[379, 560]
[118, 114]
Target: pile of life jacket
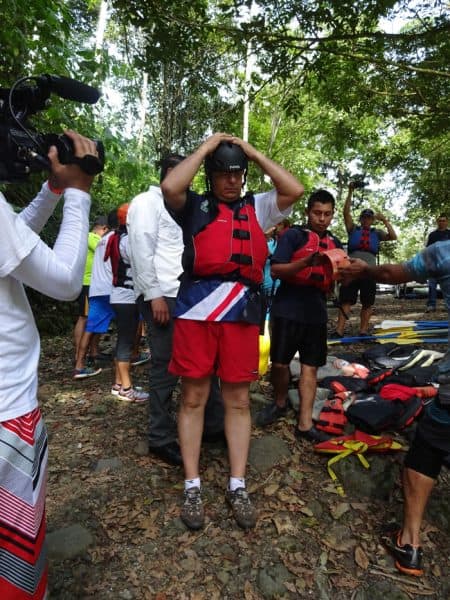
[387, 399]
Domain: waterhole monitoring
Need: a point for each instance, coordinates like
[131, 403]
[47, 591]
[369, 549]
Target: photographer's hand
[71, 175]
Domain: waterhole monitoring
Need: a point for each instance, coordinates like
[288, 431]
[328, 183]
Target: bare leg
[93, 344]
[366, 313]
[307, 391]
[82, 349]
[280, 380]
[194, 395]
[416, 490]
[340, 327]
[123, 373]
[237, 425]
[78, 333]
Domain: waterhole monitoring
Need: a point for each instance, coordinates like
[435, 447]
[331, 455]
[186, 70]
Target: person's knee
[236, 396]
[195, 394]
[308, 373]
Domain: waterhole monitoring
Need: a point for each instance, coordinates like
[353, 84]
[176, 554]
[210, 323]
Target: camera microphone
[70, 89]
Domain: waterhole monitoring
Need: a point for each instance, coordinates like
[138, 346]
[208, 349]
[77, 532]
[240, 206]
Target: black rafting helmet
[226, 158]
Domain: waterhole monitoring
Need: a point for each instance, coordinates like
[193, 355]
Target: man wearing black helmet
[218, 305]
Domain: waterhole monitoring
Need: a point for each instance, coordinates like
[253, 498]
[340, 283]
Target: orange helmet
[122, 212]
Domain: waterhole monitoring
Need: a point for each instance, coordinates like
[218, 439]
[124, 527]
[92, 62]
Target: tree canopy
[335, 87]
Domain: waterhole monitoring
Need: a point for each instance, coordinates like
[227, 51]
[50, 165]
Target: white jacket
[155, 246]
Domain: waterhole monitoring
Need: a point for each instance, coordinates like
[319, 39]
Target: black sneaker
[192, 513]
[335, 335]
[242, 508]
[408, 559]
[313, 435]
[270, 413]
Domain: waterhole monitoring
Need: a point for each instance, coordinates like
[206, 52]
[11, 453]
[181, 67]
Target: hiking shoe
[141, 359]
[132, 395]
[242, 508]
[115, 389]
[86, 372]
[192, 513]
[312, 435]
[270, 413]
[408, 559]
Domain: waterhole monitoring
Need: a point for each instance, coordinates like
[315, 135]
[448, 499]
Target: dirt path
[308, 540]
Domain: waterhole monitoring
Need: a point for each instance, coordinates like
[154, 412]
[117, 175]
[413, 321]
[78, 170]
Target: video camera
[23, 150]
[358, 184]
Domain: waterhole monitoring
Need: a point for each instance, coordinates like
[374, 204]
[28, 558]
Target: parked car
[385, 288]
[412, 289]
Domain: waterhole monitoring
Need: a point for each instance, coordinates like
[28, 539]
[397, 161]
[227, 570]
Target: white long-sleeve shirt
[58, 272]
[155, 246]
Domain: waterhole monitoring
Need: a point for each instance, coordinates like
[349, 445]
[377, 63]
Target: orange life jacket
[232, 245]
[319, 276]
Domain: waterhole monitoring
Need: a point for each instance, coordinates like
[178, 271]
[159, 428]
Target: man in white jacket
[156, 246]
[58, 272]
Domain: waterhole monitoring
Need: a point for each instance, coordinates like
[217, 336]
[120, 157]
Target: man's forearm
[288, 187]
[390, 230]
[388, 273]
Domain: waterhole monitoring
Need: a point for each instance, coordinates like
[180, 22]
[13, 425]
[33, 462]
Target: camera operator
[26, 260]
[363, 243]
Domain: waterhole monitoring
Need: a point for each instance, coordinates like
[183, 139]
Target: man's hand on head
[211, 143]
[71, 175]
[249, 150]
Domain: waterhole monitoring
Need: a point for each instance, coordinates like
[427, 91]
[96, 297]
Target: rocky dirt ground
[114, 530]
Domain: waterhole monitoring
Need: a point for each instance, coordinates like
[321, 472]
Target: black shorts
[83, 301]
[425, 458]
[289, 337]
[348, 294]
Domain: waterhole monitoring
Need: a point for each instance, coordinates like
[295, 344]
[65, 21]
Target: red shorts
[202, 348]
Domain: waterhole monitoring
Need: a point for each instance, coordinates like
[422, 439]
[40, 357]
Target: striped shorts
[23, 479]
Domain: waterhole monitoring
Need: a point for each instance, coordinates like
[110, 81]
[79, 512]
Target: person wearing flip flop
[363, 243]
[299, 313]
[430, 449]
[440, 234]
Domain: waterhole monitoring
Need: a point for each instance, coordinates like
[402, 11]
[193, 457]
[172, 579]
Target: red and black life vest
[364, 238]
[319, 276]
[120, 268]
[232, 245]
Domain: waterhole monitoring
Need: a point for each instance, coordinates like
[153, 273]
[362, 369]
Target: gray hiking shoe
[243, 511]
[192, 513]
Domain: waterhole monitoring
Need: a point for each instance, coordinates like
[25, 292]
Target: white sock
[235, 483]
[190, 483]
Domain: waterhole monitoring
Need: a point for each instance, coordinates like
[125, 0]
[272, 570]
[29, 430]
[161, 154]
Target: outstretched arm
[389, 273]
[347, 206]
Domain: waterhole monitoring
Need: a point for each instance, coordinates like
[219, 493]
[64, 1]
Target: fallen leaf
[361, 558]
[283, 524]
[270, 489]
[339, 510]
